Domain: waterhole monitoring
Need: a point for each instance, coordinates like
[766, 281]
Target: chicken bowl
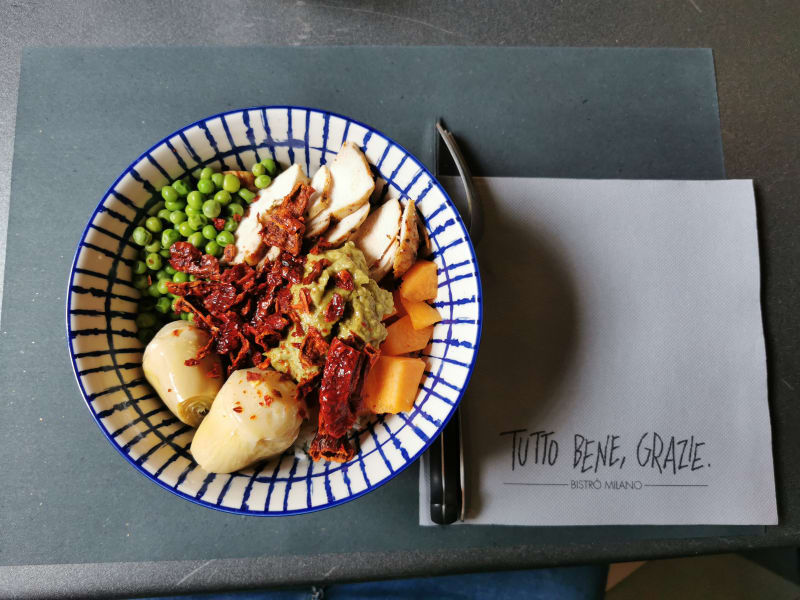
[349, 181]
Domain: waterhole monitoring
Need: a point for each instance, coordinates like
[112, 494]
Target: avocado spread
[359, 311]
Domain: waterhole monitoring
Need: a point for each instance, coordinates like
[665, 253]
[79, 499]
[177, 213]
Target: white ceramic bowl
[106, 355]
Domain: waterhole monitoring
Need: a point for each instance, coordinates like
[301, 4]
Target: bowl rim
[310, 509]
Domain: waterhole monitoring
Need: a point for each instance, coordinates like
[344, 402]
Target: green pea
[153, 262]
[141, 236]
[169, 237]
[206, 186]
[195, 199]
[263, 181]
[197, 240]
[153, 210]
[211, 208]
[153, 247]
[197, 221]
[246, 195]
[218, 178]
[180, 277]
[164, 214]
[153, 290]
[139, 268]
[182, 188]
[162, 274]
[177, 217]
[185, 229]
[230, 183]
[164, 253]
[192, 277]
[163, 305]
[174, 304]
[270, 165]
[213, 248]
[190, 318]
[145, 320]
[162, 286]
[224, 238]
[206, 173]
[210, 232]
[231, 225]
[193, 211]
[140, 282]
[258, 169]
[222, 197]
[185, 316]
[234, 208]
[170, 270]
[169, 194]
[145, 335]
[176, 205]
[153, 224]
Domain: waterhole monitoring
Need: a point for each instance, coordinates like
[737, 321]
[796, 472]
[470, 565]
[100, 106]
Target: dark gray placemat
[84, 114]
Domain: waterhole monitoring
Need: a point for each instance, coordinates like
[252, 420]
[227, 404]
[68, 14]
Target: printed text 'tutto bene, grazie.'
[653, 451]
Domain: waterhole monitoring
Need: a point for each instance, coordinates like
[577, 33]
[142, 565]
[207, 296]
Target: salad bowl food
[248, 457]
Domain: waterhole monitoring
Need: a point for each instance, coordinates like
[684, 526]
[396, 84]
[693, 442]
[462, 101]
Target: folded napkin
[621, 377]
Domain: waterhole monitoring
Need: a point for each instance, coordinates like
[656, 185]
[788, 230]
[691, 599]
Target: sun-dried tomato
[188, 259]
[341, 378]
[284, 226]
[316, 270]
[330, 448]
[320, 247]
[344, 280]
[314, 349]
[229, 253]
[335, 309]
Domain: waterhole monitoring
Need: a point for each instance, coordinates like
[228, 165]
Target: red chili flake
[237, 217]
[344, 280]
[252, 417]
[253, 376]
[214, 372]
[303, 301]
[335, 309]
[237, 409]
[267, 400]
[219, 223]
[169, 389]
[296, 345]
[176, 332]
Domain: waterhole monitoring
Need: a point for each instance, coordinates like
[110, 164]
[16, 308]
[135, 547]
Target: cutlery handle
[446, 474]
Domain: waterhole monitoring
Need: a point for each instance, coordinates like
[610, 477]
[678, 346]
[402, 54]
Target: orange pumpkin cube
[402, 338]
[421, 314]
[420, 282]
[392, 383]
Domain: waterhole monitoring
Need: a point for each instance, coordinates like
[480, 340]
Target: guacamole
[360, 311]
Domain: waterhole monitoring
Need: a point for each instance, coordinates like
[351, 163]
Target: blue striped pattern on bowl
[106, 355]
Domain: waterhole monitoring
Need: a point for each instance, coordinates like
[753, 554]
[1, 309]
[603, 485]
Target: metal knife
[446, 454]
